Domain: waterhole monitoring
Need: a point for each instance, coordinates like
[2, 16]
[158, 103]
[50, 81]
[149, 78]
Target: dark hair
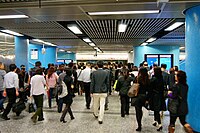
[171, 71]
[100, 64]
[51, 70]
[39, 71]
[68, 71]
[125, 73]
[38, 64]
[12, 67]
[182, 78]
[143, 76]
[164, 66]
[175, 68]
[18, 71]
[157, 72]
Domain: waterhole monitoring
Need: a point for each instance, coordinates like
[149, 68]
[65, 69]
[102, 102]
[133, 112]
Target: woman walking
[68, 99]
[156, 96]
[37, 91]
[180, 91]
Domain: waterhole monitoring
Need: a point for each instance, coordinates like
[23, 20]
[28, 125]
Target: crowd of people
[62, 82]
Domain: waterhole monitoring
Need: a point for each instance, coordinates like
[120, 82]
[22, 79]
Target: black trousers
[140, 102]
[11, 94]
[39, 104]
[157, 117]
[87, 94]
[67, 109]
[124, 104]
[173, 118]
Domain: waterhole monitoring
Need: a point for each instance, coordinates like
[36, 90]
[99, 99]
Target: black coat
[123, 85]
[181, 91]
[68, 81]
[156, 94]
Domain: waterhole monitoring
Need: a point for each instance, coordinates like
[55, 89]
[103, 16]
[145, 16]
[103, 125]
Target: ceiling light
[181, 48]
[151, 39]
[174, 26]
[122, 27]
[144, 44]
[50, 44]
[12, 32]
[87, 40]
[74, 29]
[61, 50]
[12, 16]
[38, 40]
[124, 12]
[92, 44]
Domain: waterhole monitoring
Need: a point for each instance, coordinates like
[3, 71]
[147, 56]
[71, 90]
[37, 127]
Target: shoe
[40, 119]
[159, 127]
[5, 118]
[139, 129]
[126, 113]
[95, 116]
[100, 122]
[122, 115]
[72, 118]
[88, 107]
[155, 124]
[62, 120]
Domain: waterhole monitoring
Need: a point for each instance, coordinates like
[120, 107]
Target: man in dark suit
[99, 89]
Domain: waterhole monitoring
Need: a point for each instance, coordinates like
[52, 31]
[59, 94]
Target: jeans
[2, 99]
[51, 92]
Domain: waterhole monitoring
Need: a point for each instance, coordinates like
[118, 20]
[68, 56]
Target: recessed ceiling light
[124, 12]
[74, 29]
[151, 39]
[122, 27]
[92, 44]
[87, 40]
[12, 32]
[12, 16]
[174, 26]
[144, 44]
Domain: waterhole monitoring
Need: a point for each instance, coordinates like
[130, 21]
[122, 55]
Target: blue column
[21, 51]
[140, 51]
[192, 63]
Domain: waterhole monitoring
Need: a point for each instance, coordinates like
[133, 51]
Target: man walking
[11, 85]
[99, 89]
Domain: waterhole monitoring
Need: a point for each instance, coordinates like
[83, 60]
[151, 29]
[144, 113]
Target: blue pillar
[192, 64]
[140, 51]
[21, 51]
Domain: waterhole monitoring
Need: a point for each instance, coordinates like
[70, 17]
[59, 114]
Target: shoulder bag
[134, 89]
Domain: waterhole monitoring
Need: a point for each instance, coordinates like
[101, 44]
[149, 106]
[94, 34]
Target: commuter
[68, 99]
[60, 69]
[79, 84]
[33, 70]
[165, 75]
[26, 80]
[143, 80]
[180, 91]
[11, 86]
[51, 80]
[2, 74]
[156, 98]
[176, 71]
[171, 78]
[37, 92]
[86, 83]
[123, 85]
[99, 89]
[117, 71]
[151, 72]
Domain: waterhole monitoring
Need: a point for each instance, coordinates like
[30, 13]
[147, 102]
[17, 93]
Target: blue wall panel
[65, 55]
[140, 51]
[48, 57]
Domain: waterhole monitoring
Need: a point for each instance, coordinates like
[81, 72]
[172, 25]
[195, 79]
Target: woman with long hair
[123, 85]
[156, 96]
[51, 79]
[180, 91]
[143, 80]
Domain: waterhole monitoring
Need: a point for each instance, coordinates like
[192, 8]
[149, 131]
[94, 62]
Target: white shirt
[11, 80]
[37, 85]
[85, 76]
[79, 73]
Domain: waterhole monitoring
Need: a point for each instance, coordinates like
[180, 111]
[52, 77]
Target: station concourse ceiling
[48, 19]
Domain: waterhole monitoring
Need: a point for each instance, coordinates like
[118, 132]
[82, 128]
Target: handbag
[173, 105]
[133, 91]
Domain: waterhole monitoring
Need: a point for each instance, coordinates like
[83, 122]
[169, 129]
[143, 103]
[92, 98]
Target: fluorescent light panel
[74, 29]
[122, 27]
[12, 32]
[151, 39]
[12, 16]
[174, 26]
[87, 40]
[92, 44]
[124, 12]
[41, 41]
[144, 44]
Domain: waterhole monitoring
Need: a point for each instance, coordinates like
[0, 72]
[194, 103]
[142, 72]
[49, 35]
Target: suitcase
[18, 107]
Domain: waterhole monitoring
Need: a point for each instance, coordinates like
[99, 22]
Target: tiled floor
[84, 121]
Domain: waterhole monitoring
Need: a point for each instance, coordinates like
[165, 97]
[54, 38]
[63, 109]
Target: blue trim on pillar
[21, 51]
[140, 51]
[192, 65]
[45, 59]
